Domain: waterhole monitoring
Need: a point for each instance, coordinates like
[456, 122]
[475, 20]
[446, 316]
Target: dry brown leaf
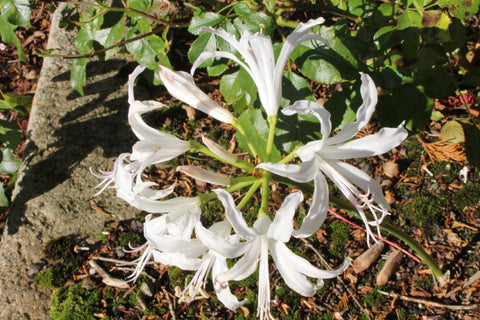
[390, 169]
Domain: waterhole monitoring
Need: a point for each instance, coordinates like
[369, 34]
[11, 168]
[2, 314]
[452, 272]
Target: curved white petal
[282, 225]
[245, 266]
[319, 111]
[139, 127]
[368, 91]
[318, 209]
[302, 173]
[222, 290]
[363, 180]
[177, 260]
[219, 244]
[292, 277]
[131, 82]
[182, 87]
[383, 141]
[234, 216]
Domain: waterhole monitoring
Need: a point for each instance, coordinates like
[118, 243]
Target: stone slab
[67, 135]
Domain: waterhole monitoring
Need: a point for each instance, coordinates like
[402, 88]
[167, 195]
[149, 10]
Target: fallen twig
[431, 303]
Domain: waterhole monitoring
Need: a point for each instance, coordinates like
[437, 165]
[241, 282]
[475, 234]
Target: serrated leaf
[10, 134]
[17, 12]
[78, 74]
[453, 132]
[7, 34]
[8, 164]
[142, 50]
[208, 19]
[257, 131]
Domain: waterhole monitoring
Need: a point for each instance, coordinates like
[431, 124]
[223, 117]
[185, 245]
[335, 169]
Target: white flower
[154, 146]
[325, 156]
[266, 237]
[259, 61]
[169, 239]
[181, 86]
[215, 262]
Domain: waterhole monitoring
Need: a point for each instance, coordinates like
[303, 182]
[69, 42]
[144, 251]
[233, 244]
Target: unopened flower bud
[205, 175]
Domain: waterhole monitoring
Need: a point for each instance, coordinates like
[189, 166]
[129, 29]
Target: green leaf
[461, 9]
[139, 5]
[115, 36]
[472, 77]
[409, 19]
[142, 49]
[407, 103]
[206, 42]
[238, 90]
[5, 106]
[8, 164]
[472, 141]
[295, 88]
[7, 33]
[207, 19]
[453, 132]
[17, 12]
[252, 21]
[21, 103]
[78, 74]
[10, 134]
[257, 131]
[436, 80]
[436, 24]
[3, 197]
[325, 65]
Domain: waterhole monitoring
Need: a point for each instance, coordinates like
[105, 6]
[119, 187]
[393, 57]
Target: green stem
[205, 197]
[292, 155]
[249, 194]
[240, 128]
[196, 146]
[272, 120]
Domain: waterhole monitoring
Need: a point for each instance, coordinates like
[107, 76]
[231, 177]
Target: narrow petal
[368, 91]
[304, 172]
[182, 87]
[139, 127]
[222, 290]
[177, 259]
[234, 216]
[282, 225]
[219, 244]
[383, 141]
[292, 277]
[131, 82]
[245, 266]
[319, 111]
[318, 209]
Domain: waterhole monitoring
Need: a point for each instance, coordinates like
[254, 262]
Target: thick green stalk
[272, 121]
[240, 128]
[249, 194]
[196, 146]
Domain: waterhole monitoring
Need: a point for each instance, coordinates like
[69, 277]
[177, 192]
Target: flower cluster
[176, 235]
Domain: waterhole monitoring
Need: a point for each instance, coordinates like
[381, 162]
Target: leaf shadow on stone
[82, 130]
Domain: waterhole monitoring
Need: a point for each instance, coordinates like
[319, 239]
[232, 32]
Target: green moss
[426, 210]
[176, 277]
[45, 278]
[104, 237]
[448, 170]
[131, 238]
[61, 248]
[74, 303]
[338, 234]
[212, 212]
[468, 196]
[425, 282]
[373, 298]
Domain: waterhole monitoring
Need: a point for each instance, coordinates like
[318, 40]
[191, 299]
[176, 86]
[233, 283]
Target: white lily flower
[169, 239]
[256, 50]
[181, 86]
[215, 262]
[325, 156]
[154, 146]
[266, 237]
[205, 175]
